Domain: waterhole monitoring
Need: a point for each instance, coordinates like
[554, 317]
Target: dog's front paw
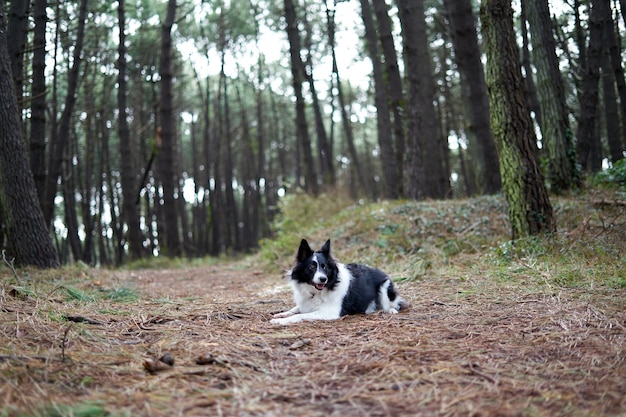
[283, 314]
[287, 320]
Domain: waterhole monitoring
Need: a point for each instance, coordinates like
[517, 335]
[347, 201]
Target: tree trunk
[324, 149]
[171, 244]
[28, 239]
[297, 77]
[613, 66]
[383, 118]
[38, 105]
[587, 133]
[130, 214]
[394, 87]
[530, 211]
[423, 144]
[16, 38]
[478, 129]
[60, 136]
[345, 118]
[557, 138]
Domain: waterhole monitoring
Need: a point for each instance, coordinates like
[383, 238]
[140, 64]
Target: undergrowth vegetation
[469, 237]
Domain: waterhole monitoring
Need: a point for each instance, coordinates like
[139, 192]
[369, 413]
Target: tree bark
[394, 87]
[423, 140]
[304, 139]
[557, 137]
[127, 154]
[381, 100]
[587, 132]
[16, 38]
[28, 239]
[530, 211]
[171, 243]
[468, 58]
[60, 138]
[38, 105]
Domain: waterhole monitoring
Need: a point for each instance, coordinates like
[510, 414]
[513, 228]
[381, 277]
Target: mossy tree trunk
[530, 211]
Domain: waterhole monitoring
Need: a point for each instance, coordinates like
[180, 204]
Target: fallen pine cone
[153, 365]
[205, 359]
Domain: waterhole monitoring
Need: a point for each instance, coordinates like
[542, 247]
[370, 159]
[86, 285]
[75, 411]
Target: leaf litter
[197, 341]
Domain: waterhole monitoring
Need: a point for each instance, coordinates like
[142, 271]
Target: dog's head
[317, 268]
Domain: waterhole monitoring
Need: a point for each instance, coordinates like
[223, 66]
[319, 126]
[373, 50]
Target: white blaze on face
[320, 278]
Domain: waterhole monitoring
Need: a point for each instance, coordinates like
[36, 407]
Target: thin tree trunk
[394, 87]
[478, 130]
[383, 119]
[587, 133]
[345, 118]
[38, 105]
[530, 211]
[60, 136]
[130, 214]
[297, 77]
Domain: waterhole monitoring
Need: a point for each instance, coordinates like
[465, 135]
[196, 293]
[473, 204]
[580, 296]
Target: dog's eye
[312, 267]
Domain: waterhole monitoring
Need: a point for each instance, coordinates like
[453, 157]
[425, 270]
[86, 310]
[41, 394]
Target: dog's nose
[323, 280]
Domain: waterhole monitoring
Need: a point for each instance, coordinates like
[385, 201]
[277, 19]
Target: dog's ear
[304, 251]
[326, 248]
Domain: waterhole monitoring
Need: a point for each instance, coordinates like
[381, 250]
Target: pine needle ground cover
[531, 328]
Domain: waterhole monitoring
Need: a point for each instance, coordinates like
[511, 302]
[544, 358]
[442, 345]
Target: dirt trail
[461, 349]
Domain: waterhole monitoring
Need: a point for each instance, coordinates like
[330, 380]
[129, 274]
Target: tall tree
[38, 104]
[423, 145]
[59, 139]
[530, 211]
[171, 243]
[28, 238]
[394, 86]
[17, 31]
[324, 146]
[468, 59]
[346, 123]
[130, 213]
[557, 137]
[587, 133]
[381, 101]
[304, 140]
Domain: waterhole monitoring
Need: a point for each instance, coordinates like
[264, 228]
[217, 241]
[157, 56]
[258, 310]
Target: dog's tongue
[320, 286]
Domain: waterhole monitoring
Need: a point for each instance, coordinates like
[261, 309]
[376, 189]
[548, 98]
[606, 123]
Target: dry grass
[471, 344]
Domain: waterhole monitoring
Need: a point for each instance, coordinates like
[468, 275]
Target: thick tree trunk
[171, 243]
[468, 58]
[28, 239]
[557, 137]
[530, 211]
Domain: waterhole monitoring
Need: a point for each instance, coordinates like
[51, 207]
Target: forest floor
[488, 333]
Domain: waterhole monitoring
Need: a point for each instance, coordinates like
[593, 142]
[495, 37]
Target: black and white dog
[325, 289]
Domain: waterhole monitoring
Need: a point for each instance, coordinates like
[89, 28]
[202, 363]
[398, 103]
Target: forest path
[464, 347]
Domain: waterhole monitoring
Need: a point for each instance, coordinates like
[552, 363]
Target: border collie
[325, 289]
